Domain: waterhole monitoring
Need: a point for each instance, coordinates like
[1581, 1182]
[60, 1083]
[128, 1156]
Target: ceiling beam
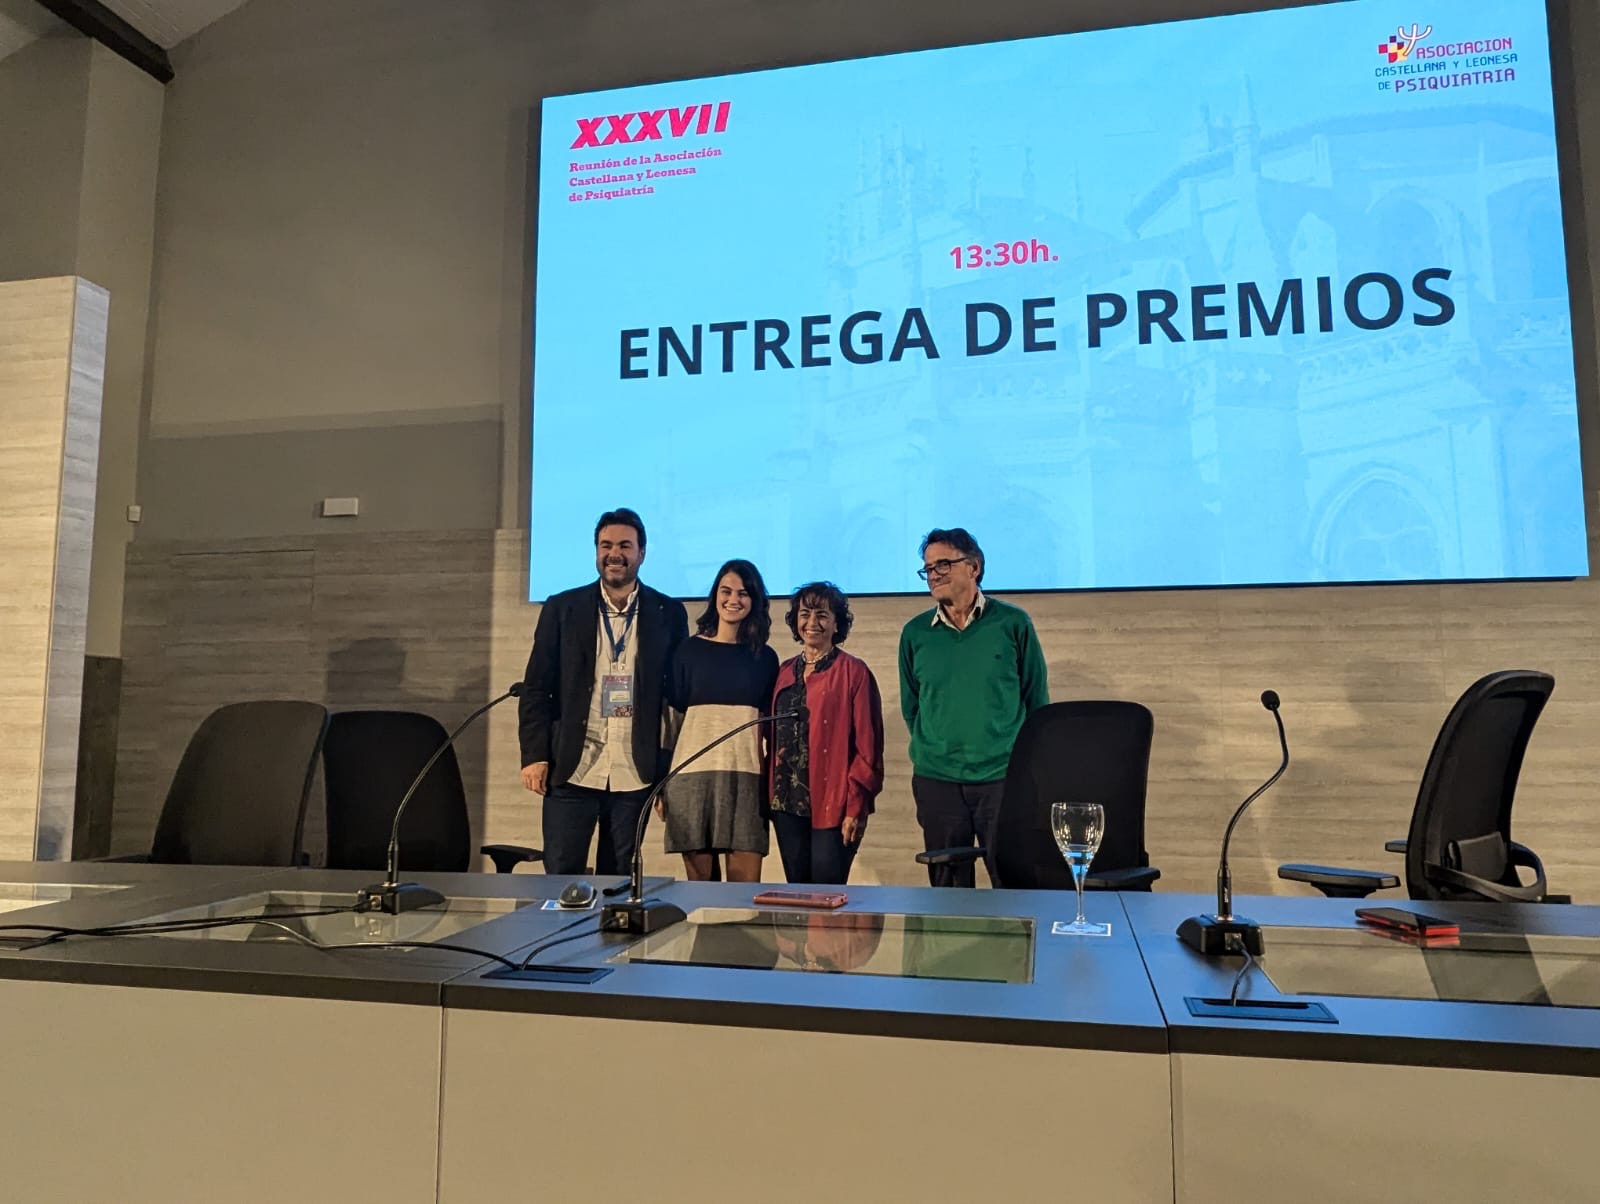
[94, 19]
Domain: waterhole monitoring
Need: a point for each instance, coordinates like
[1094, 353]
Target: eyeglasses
[941, 568]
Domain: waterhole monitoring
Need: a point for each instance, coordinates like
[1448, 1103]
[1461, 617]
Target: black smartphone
[1413, 923]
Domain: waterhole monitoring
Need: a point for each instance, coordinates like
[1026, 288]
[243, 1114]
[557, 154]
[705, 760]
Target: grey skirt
[715, 804]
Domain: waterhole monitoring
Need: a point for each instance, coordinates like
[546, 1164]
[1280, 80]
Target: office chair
[1460, 845]
[239, 794]
[369, 760]
[1087, 752]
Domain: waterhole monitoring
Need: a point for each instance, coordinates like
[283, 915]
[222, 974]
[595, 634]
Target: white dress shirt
[607, 760]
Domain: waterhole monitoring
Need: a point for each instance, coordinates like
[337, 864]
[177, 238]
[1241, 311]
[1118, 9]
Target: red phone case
[802, 898]
[1448, 940]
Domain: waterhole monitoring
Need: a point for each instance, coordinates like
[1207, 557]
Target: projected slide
[1271, 298]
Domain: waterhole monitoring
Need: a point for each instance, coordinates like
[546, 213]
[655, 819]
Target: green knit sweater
[965, 693]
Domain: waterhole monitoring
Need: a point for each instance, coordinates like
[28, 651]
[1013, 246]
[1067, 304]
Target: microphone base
[1212, 936]
[640, 918]
[393, 898]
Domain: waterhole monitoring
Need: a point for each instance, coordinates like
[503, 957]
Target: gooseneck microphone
[391, 895]
[1226, 933]
[642, 916]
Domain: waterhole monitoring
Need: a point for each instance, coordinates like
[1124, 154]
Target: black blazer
[559, 683]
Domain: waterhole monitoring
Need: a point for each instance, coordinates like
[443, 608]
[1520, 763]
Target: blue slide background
[1247, 148]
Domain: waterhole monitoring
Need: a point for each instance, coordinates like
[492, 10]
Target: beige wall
[344, 228]
[44, 101]
[341, 295]
[344, 220]
[79, 132]
[333, 218]
[116, 246]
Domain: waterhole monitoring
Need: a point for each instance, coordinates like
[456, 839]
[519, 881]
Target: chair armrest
[1336, 882]
[507, 857]
[1521, 854]
[1471, 884]
[1138, 877]
[1453, 878]
[1395, 846]
[952, 856]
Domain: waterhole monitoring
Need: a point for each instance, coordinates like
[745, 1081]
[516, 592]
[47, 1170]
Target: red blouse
[845, 738]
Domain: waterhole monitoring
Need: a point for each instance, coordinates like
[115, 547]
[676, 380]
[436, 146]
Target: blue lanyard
[618, 647]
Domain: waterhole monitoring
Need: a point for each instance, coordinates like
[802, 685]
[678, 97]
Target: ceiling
[164, 22]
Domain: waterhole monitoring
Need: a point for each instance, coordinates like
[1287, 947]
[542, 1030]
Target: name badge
[616, 696]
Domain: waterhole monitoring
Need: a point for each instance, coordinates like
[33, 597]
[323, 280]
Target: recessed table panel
[326, 918]
[1481, 967]
[19, 896]
[965, 948]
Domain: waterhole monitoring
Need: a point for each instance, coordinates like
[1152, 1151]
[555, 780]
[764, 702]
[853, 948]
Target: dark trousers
[810, 854]
[570, 816]
[955, 815]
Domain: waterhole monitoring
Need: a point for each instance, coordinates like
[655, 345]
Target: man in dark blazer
[593, 700]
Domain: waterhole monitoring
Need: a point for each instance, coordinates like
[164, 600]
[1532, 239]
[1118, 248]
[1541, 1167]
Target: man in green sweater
[971, 670]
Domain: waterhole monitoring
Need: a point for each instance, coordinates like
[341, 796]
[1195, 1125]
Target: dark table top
[1123, 992]
[276, 967]
[1429, 1032]
[1085, 992]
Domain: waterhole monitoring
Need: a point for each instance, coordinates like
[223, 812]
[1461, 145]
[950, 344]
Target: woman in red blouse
[825, 772]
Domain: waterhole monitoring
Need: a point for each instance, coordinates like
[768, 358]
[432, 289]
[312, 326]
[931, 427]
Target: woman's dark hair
[756, 626]
[959, 539]
[824, 593]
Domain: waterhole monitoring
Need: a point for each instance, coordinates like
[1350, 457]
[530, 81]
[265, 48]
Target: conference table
[916, 1044]
[1446, 1072]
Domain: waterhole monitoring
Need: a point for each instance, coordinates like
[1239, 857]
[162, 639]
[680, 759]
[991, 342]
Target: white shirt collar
[977, 609]
[616, 611]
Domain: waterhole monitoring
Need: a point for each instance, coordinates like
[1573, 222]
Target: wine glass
[1078, 828]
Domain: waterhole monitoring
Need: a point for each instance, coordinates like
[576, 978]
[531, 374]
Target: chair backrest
[1085, 752]
[369, 760]
[239, 795]
[1471, 778]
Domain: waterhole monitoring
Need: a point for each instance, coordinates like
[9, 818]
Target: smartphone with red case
[1399, 937]
[1411, 923]
[802, 898]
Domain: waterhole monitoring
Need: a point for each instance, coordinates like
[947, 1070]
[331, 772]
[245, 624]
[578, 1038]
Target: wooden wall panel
[205, 628]
[438, 622]
[52, 368]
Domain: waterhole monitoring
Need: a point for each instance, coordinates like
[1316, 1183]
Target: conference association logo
[1414, 62]
[1400, 44]
[611, 129]
[608, 174]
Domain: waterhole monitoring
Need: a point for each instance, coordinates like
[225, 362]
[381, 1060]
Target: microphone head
[515, 689]
[1269, 699]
